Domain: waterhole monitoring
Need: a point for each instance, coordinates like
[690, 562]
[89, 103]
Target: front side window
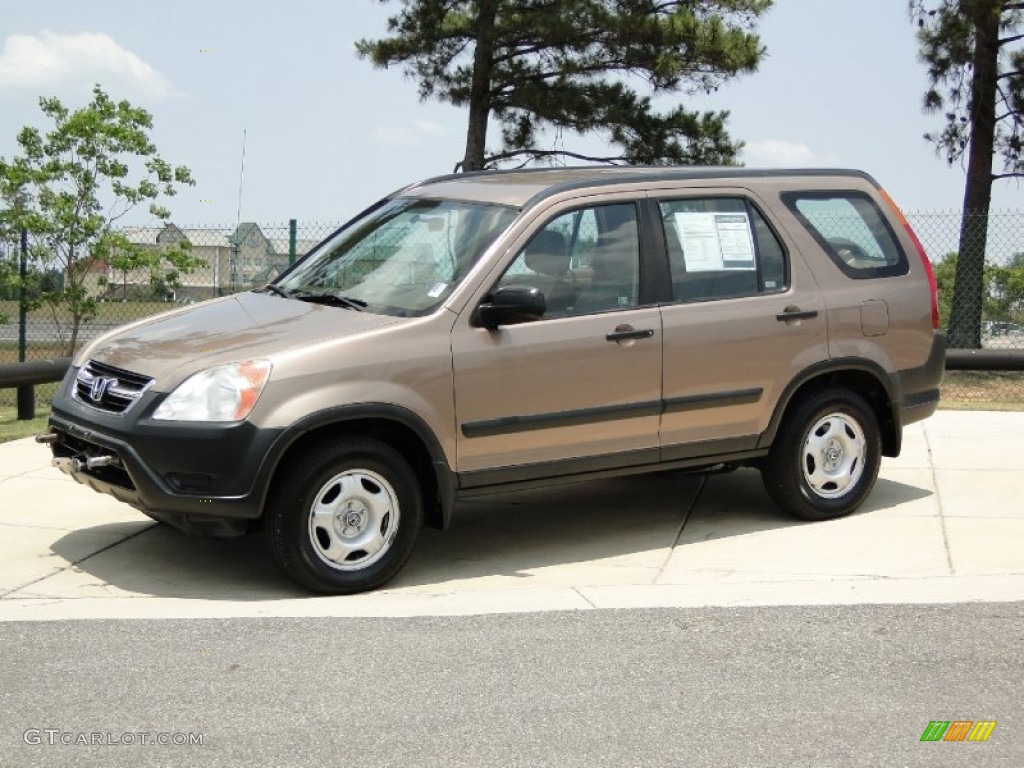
[720, 248]
[583, 261]
[403, 258]
[852, 231]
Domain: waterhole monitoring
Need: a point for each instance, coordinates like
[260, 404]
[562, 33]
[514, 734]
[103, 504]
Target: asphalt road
[819, 686]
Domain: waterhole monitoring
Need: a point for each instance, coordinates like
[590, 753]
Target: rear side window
[721, 248]
[851, 230]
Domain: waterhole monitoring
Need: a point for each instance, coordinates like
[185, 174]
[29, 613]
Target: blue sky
[327, 133]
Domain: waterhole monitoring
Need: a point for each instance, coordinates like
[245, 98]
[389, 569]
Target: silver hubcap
[833, 455]
[353, 520]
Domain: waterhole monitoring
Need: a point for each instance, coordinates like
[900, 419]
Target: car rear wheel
[826, 456]
[345, 516]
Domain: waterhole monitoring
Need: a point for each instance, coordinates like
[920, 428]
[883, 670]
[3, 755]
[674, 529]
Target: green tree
[976, 82]
[70, 187]
[1006, 290]
[945, 281]
[1002, 288]
[574, 66]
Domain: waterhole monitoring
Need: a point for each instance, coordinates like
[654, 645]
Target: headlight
[223, 393]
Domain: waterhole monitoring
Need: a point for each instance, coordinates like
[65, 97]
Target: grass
[107, 311]
[983, 391]
[44, 393]
[12, 429]
[36, 350]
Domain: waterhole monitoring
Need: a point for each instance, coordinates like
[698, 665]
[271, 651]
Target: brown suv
[501, 330]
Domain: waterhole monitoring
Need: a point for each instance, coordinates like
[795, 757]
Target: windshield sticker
[437, 290]
[715, 241]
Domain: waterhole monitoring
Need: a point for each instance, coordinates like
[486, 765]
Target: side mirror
[510, 305]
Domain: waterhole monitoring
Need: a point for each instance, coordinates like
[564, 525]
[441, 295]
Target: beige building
[233, 261]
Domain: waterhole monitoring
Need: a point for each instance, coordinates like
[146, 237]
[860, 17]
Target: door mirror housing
[510, 305]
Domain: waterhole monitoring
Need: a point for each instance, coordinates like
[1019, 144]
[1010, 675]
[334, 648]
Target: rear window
[852, 231]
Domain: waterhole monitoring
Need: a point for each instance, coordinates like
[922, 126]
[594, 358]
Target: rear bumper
[919, 387]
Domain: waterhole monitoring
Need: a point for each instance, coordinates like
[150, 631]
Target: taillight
[920, 252]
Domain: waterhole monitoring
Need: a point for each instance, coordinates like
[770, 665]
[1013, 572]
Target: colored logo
[958, 730]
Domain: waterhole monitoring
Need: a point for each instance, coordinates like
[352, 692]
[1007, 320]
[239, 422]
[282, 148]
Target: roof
[520, 187]
[172, 233]
[140, 235]
[242, 231]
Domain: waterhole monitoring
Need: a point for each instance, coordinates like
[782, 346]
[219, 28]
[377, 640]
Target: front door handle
[627, 332]
[795, 313]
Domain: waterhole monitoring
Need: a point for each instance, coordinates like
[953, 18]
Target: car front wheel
[826, 456]
[345, 516]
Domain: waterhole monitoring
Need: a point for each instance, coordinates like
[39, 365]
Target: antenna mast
[241, 179]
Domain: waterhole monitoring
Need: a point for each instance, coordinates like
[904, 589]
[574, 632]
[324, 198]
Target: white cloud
[775, 153]
[51, 60]
[408, 135]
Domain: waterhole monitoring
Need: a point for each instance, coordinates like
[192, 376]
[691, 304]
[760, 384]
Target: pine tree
[577, 67]
[975, 61]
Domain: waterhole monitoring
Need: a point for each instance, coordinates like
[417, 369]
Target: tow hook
[47, 439]
[77, 465]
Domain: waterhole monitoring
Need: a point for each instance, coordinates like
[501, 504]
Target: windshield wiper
[329, 299]
[270, 288]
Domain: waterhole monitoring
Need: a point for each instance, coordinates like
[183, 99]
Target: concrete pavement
[944, 524]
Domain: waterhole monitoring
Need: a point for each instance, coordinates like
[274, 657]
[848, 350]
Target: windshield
[403, 258]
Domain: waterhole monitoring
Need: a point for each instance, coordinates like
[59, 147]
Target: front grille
[109, 389]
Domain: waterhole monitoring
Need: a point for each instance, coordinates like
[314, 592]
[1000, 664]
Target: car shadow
[527, 538]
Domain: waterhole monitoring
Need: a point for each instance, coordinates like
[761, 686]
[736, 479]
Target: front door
[578, 389]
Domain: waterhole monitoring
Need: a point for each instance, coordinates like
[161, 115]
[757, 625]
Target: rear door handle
[629, 333]
[795, 313]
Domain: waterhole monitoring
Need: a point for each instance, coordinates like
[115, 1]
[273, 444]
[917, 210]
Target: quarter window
[851, 230]
[721, 248]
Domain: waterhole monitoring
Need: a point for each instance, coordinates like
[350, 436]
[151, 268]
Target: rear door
[745, 318]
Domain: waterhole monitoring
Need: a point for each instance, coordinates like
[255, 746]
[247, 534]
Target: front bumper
[205, 479]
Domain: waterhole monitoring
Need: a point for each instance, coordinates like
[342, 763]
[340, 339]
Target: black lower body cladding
[206, 479]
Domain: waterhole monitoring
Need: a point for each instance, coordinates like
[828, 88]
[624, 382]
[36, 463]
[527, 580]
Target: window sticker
[715, 241]
[437, 290]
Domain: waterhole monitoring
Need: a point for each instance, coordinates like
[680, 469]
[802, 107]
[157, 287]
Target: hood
[245, 326]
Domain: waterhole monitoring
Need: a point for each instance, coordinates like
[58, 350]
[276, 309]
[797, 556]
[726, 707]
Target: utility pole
[26, 393]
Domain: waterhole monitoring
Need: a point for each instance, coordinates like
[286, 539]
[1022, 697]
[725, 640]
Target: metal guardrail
[33, 372]
[985, 359]
[27, 375]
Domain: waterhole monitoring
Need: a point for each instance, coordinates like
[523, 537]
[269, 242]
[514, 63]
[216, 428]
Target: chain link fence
[984, 256]
[227, 260]
[238, 258]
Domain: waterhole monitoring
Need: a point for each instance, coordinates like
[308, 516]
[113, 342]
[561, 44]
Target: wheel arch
[397, 427]
[865, 378]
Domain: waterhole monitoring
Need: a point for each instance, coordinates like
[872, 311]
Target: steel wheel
[833, 455]
[344, 514]
[354, 519]
[825, 457]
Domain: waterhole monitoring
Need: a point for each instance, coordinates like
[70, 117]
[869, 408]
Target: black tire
[366, 494]
[828, 474]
